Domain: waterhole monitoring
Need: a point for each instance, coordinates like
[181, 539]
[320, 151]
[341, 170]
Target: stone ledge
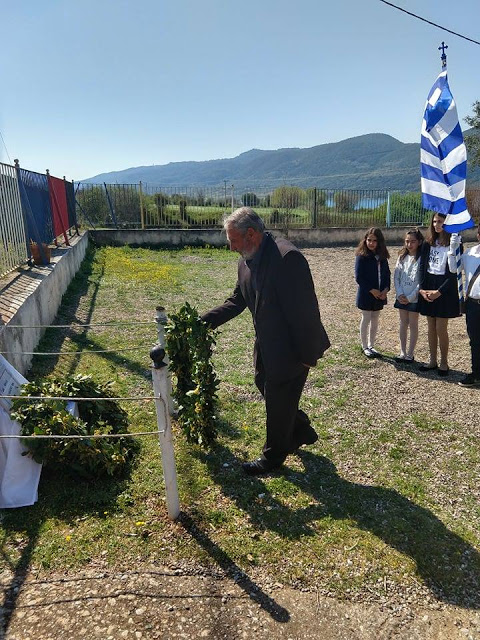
[32, 296]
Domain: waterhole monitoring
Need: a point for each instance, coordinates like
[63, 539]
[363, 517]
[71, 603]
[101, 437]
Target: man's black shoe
[309, 437]
[259, 467]
[469, 381]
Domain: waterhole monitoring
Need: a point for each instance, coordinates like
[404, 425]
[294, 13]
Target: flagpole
[458, 255]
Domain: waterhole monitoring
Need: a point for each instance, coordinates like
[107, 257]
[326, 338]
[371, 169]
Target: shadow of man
[448, 565]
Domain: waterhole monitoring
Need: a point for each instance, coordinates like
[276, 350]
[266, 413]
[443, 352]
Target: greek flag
[443, 158]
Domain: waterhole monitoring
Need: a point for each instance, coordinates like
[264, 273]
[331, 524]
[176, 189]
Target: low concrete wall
[158, 237]
[32, 297]
[326, 237]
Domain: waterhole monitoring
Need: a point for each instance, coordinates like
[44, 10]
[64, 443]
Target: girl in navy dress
[372, 275]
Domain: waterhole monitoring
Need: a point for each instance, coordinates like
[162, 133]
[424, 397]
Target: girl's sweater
[407, 278]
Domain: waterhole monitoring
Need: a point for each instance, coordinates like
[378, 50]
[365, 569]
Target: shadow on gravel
[448, 565]
[453, 377]
[63, 498]
[254, 592]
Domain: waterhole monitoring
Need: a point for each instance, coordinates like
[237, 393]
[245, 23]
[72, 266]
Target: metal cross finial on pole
[443, 46]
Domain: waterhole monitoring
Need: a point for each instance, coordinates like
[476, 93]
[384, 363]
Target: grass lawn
[370, 509]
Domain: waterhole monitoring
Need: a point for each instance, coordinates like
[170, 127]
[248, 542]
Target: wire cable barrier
[73, 398]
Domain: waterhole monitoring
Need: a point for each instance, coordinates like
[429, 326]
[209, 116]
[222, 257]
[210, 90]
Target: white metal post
[161, 390]
[389, 219]
[161, 319]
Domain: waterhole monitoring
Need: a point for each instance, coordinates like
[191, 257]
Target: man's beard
[247, 254]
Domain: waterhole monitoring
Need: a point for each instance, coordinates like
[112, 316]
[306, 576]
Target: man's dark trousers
[472, 317]
[286, 424]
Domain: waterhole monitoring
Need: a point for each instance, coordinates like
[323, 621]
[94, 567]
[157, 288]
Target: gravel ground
[332, 271]
[190, 602]
[171, 603]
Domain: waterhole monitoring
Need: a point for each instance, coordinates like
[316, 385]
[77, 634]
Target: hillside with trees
[372, 161]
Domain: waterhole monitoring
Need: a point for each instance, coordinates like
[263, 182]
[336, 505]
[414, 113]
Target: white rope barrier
[75, 399]
[67, 353]
[75, 325]
[94, 436]
[161, 389]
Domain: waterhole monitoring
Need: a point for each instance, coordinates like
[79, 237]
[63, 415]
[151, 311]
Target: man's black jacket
[289, 331]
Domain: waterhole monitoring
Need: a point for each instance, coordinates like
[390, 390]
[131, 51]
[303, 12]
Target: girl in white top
[438, 299]
[407, 284]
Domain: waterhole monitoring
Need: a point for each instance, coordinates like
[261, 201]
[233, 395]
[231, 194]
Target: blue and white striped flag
[443, 158]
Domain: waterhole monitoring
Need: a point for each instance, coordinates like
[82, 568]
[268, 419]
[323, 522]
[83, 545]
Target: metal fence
[12, 231]
[35, 210]
[148, 206]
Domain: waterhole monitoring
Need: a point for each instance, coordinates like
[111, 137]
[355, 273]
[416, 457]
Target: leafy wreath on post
[189, 343]
[88, 458]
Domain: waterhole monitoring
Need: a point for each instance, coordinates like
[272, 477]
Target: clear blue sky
[90, 86]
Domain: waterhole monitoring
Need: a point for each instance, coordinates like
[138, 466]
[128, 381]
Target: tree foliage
[472, 141]
[94, 207]
[406, 208]
[285, 197]
[250, 199]
[345, 201]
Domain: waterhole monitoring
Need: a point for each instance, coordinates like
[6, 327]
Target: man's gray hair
[243, 219]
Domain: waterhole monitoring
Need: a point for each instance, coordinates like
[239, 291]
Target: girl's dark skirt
[447, 305]
[411, 306]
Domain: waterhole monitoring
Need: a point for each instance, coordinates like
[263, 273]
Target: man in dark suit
[275, 283]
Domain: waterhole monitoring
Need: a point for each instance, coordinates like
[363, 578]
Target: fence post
[233, 197]
[24, 210]
[315, 210]
[388, 221]
[142, 215]
[161, 389]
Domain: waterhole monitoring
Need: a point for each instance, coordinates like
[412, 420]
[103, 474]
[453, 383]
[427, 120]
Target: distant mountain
[372, 161]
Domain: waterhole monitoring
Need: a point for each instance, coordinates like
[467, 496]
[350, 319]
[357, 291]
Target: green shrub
[89, 458]
[406, 208]
[286, 197]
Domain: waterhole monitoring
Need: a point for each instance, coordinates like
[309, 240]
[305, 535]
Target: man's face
[242, 243]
